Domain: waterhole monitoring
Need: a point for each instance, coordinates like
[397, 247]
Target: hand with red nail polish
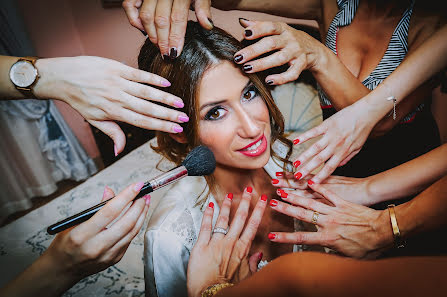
[218, 258]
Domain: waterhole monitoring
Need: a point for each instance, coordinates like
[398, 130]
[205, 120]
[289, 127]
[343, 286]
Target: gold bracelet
[396, 232]
[212, 290]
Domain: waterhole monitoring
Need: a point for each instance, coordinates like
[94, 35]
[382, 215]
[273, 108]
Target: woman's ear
[179, 137]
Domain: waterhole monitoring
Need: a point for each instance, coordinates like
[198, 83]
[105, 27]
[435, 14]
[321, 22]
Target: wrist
[45, 86]
[319, 58]
[383, 230]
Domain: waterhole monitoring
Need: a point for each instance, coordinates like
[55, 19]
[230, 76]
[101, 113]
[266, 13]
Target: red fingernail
[278, 192]
[296, 141]
[298, 175]
[264, 197]
[296, 163]
[249, 189]
[272, 235]
[273, 202]
[310, 182]
[279, 174]
[230, 196]
[260, 255]
[211, 205]
[284, 194]
[275, 181]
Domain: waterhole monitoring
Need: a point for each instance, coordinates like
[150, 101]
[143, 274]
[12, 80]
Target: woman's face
[234, 120]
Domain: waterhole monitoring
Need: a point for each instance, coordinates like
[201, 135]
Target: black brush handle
[88, 213]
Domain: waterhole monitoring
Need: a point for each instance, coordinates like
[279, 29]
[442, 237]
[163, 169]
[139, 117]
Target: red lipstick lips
[257, 147]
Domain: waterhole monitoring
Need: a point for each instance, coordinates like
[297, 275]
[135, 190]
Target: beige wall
[82, 27]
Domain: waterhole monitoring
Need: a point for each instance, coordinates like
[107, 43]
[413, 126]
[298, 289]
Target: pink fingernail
[165, 83]
[105, 192]
[115, 150]
[179, 104]
[183, 118]
[138, 186]
[177, 129]
[147, 197]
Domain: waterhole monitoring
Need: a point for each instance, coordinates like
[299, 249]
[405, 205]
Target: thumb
[254, 261]
[114, 131]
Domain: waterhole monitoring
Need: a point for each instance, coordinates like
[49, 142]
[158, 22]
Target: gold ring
[315, 216]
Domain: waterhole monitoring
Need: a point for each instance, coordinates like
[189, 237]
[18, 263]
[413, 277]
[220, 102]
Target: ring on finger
[315, 216]
[220, 230]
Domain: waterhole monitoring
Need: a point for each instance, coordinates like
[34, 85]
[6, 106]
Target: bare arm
[311, 274]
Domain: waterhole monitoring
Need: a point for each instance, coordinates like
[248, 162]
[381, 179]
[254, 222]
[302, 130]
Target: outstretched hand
[351, 229]
[104, 91]
[218, 258]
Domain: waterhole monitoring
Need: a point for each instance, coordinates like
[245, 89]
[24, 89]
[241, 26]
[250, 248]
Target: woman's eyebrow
[249, 83]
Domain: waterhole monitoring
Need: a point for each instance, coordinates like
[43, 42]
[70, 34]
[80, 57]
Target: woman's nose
[249, 127]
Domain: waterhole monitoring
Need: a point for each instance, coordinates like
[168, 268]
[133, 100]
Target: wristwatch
[24, 75]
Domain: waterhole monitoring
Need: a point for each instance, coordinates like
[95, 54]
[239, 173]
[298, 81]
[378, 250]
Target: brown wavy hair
[202, 50]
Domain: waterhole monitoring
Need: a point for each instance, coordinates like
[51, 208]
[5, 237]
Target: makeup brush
[200, 161]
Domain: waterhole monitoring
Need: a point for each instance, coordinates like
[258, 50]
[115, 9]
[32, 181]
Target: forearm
[43, 278]
[425, 212]
[409, 178]
[312, 275]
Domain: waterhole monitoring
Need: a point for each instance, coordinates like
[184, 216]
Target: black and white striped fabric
[395, 53]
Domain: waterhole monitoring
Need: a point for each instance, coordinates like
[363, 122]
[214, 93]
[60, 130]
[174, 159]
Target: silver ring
[315, 216]
[220, 230]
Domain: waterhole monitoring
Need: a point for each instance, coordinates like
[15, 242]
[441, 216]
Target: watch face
[23, 74]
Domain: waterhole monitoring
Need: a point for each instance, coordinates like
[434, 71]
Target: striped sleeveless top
[395, 53]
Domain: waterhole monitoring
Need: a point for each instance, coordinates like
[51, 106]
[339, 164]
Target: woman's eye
[215, 113]
[250, 94]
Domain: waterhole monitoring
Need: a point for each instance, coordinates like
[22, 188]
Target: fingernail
[248, 33]
[270, 82]
[143, 32]
[147, 197]
[310, 182]
[230, 196]
[211, 22]
[165, 57]
[179, 104]
[249, 189]
[173, 53]
[177, 129]
[115, 150]
[278, 192]
[298, 175]
[138, 186]
[279, 174]
[284, 194]
[296, 163]
[264, 197]
[272, 236]
[275, 181]
[247, 68]
[296, 141]
[238, 58]
[273, 202]
[105, 192]
[183, 118]
[260, 256]
[211, 205]
[243, 19]
[165, 83]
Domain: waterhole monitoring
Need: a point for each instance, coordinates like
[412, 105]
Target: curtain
[37, 147]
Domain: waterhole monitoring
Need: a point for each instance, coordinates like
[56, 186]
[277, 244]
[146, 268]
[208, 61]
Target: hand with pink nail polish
[104, 91]
[85, 249]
